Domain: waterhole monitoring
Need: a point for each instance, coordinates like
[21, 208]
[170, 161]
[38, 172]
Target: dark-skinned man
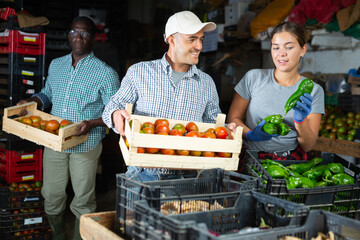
[78, 86]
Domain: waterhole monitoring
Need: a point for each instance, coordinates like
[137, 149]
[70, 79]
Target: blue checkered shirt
[149, 86]
[80, 94]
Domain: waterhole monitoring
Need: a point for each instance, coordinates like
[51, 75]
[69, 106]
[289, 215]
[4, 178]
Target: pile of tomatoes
[25, 187]
[51, 126]
[162, 127]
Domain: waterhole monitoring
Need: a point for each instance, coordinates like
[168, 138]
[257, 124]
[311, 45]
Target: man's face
[81, 41]
[187, 47]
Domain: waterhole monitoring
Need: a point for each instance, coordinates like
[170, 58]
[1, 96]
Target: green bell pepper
[282, 129]
[341, 179]
[270, 128]
[336, 168]
[275, 119]
[303, 167]
[276, 171]
[299, 182]
[315, 173]
[271, 162]
[321, 184]
[306, 86]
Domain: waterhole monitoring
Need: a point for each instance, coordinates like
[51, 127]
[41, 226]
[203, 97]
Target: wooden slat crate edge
[55, 142]
[98, 226]
[338, 146]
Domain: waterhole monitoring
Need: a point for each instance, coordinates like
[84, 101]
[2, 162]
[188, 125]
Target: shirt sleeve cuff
[44, 100]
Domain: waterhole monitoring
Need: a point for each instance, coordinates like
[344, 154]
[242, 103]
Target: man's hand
[302, 108]
[84, 127]
[118, 118]
[258, 134]
[23, 101]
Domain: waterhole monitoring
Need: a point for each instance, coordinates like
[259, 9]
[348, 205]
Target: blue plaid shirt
[80, 94]
[149, 86]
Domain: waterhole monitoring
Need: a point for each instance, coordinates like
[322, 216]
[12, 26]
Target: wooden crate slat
[338, 146]
[38, 136]
[137, 139]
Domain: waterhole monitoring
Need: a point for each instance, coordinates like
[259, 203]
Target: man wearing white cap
[171, 87]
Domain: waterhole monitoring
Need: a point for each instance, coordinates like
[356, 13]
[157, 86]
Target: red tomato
[223, 154]
[159, 121]
[162, 127]
[168, 151]
[64, 123]
[26, 120]
[175, 132]
[195, 153]
[208, 154]
[180, 127]
[148, 124]
[140, 150]
[192, 134]
[211, 130]
[191, 126]
[35, 118]
[162, 133]
[208, 135]
[36, 125]
[52, 125]
[43, 124]
[221, 132]
[148, 130]
[151, 150]
[182, 152]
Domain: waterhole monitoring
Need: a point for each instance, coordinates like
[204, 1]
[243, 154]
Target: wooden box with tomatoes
[39, 127]
[203, 146]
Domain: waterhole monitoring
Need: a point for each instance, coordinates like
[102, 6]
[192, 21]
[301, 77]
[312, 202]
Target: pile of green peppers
[274, 125]
[308, 175]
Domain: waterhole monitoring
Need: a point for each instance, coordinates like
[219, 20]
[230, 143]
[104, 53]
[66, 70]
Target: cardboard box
[338, 146]
[39, 136]
[137, 139]
[98, 226]
[353, 77]
[355, 89]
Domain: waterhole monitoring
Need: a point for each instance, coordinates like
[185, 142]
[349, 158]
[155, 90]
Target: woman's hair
[86, 20]
[293, 28]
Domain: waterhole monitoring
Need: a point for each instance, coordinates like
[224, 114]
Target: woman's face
[286, 51]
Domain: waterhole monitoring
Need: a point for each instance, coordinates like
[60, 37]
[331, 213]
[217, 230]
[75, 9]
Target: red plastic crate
[5, 13]
[21, 166]
[33, 44]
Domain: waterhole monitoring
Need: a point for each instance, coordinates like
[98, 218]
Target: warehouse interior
[131, 31]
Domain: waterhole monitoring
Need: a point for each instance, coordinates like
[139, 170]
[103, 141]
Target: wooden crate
[338, 146]
[137, 139]
[98, 226]
[39, 136]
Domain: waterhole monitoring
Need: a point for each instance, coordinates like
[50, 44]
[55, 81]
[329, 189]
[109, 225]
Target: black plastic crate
[223, 222]
[341, 199]
[15, 200]
[38, 234]
[25, 60]
[210, 182]
[317, 222]
[32, 218]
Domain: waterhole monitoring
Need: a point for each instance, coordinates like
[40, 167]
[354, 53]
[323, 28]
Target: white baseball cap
[186, 22]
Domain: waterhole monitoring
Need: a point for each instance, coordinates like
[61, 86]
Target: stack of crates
[22, 72]
[22, 214]
[16, 166]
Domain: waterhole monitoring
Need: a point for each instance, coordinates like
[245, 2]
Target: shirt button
[64, 110]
